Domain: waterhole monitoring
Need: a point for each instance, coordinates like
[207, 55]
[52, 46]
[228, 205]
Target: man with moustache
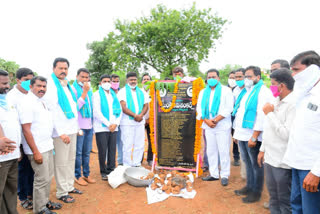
[134, 103]
[248, 129]
[9, 122]
[61, 101]
[37, 127]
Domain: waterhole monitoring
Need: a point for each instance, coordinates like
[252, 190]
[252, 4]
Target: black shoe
[243, 191]
[251, 198]
[224, 181]
[104, 177]
[236, 163]
[46, 211]
[210, 178]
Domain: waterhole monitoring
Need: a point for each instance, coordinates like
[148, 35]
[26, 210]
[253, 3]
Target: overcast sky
[34, 32]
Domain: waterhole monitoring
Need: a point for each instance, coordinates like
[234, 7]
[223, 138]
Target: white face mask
[106, 86]
[89, 84]
[248, 83]
[132, 87]
[232, 83]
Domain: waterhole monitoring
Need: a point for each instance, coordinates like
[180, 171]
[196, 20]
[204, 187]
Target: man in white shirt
[304, 148]
[248, 129]
[276, 130]
[106, 119]
[37, 127]
[134, 103]
[9, 122]
[239, 77]
[25, 171]
[61, 101]
[215, 104]
[147, 78]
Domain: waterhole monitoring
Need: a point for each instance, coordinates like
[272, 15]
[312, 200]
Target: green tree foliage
[11, 67]
[99, 60]
[224, 72]
[161, 41]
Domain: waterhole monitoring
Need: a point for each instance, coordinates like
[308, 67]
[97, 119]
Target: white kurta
[244, 134]
[132, 132]
[218, 138]
[99, 119]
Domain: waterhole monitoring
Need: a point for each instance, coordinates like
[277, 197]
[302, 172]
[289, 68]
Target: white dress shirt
[62, 125]
[125, 120]
[244, 134]
[9, 121]
[99, 119]
[34, 110]
[303, 150]
[276, 130]
[225, 108]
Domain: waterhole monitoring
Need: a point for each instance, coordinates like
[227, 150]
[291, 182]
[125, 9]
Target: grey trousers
[64, 164]
[8, 186]
[278, 182]
[43, 174]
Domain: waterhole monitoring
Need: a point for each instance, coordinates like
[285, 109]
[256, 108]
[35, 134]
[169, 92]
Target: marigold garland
[197, 86]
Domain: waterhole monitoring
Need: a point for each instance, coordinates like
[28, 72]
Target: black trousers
[107, 144]
[150, 154]
[8, 186]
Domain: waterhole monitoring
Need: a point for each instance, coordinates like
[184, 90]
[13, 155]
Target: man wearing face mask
[62, 102]
[82, 90]
[11, 128]
[115, 85]
[276, 130]
[215, 105]
[304, 148]
[238, 93]
[147, 78]
[248, 128]
[134, 103]
[26, 174]
[107, 114]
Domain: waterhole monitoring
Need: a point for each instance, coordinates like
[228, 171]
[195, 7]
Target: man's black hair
[104, 76]
[145, 74]
[213, 70]
[83, 70]
[23, 72]
[241, 70]
[40, 78]
[3, 73]
[256, 70]
[283, 63]
[60, 59]
[283, 75]
[306, 58]
[231, 72]
[131, 74]
[113, 76]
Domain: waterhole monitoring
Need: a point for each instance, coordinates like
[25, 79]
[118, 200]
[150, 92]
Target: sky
[34, 32]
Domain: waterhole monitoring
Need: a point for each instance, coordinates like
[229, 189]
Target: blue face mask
[212, 82]
[26, 85]
[240, 83]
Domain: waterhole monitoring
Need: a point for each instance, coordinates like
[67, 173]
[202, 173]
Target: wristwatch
[253, 139]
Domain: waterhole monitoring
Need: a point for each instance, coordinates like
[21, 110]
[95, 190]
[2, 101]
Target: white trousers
[133, 138]
[218, 146]
[64, 164]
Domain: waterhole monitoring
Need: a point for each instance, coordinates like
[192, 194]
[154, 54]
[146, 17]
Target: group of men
[276, 130]
[54, 123]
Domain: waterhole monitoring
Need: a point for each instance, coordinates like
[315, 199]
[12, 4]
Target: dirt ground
[211, 197]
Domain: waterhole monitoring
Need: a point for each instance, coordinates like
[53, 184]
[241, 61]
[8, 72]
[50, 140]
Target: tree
[99, 61]
[224, 72]
[165, 39]
[11, 67]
